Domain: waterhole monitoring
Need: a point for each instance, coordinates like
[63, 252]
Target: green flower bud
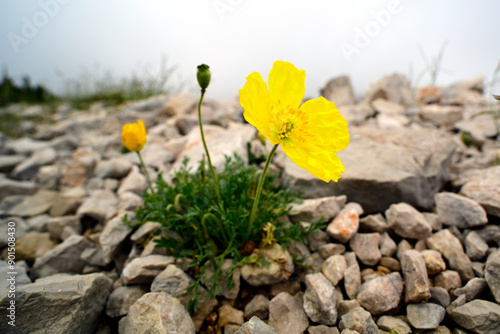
[203, 75]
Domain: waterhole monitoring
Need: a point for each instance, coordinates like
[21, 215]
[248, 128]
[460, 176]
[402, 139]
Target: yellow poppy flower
[134, 136]
[310, 134]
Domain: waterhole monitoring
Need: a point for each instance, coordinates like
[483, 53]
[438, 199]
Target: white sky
[126, 36]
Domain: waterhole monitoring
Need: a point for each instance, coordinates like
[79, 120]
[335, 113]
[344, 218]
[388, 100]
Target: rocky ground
[411, 245]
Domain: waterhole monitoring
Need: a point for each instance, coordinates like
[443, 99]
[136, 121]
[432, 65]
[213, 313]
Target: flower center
[285, 130]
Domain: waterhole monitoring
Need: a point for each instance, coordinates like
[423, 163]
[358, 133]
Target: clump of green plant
[207, 233]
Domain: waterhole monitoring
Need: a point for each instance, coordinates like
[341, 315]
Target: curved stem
[145, 172]
[259, 190]
[212, 171]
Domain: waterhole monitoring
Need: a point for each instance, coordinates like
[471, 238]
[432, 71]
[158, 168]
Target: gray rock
[26, 145]
[320, 299]
[365, 245]
[425, 316]
[492, 274]
[482, 187]
[333, 268]
[357, 114]
[279, 269]
[433, 261]
[7, 284]
[33, 245]
[129, 201]
[48, 177]
[473, 289]
[134, 182]
[417, 286]
[228, 315]
[390, 263]
[322, 329]
[144, 232]
[328, 250]
[254, 326]
[10, 187]
[407, 222]
[115, 232]
[381, 294]
[440, 295]
[143, 270]
[387, 108]
[258, 306]
[475, 247]
[459, 211]
[59, 304]
[315, 208]
[479, 316]
[344, 226]
[64, 258]
[339, 90]
[60, 228]
[394, 87]
[448, 280]
[373, 223]
[122, 298]
[116, 168]
[352, 275]
[358, 320]
[27, 169]
[445, 116]
[286, 314]
[387, 246]
[408, 165]
[451, 248]
[8, 162]
[479, 128]
[388, 323]
[157, 312]
[101, 206]
[36, 204]
[176, 283]
[13, 228]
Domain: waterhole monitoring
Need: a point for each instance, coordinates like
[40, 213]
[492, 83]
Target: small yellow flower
[134, 136]
[310, 134]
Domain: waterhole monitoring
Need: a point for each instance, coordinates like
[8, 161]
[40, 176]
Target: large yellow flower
[134, 136]
[310, 133]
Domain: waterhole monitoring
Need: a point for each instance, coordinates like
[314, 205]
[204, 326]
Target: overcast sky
[56, 40]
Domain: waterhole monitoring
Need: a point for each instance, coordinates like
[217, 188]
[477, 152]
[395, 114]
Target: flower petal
[320, 163]
[256, 102]
[287, 84]
[327, 124]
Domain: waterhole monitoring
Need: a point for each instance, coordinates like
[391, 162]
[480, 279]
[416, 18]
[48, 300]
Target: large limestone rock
[383, 168]
[58, 304]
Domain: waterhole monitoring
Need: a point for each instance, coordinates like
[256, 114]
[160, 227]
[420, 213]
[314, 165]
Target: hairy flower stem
[145, 172]
[259, 190]
[212, 171]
